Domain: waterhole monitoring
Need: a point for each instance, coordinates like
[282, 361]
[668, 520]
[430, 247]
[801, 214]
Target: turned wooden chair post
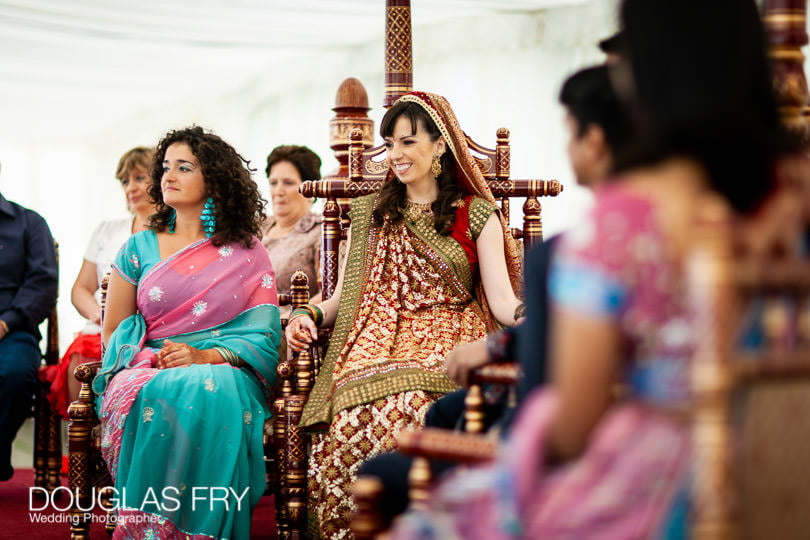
[86, 469]
[502, 374]
[285, 375]
[367, 521]
[48, 424]
[709, 276]
[751, 402]
[296, 374]
[81, 453]
[331, 246]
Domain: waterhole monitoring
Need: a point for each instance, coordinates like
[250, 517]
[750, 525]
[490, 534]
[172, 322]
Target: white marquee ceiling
[70, 67]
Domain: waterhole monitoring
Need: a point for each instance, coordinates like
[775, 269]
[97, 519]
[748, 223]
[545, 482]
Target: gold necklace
[424, 207]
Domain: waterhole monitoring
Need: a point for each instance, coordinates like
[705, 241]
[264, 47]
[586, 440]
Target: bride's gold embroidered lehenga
[409, 296]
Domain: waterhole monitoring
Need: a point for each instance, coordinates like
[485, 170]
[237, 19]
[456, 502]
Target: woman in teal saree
[192, 329]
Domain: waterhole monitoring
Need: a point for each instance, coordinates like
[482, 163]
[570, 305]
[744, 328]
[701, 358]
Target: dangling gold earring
[436, 167]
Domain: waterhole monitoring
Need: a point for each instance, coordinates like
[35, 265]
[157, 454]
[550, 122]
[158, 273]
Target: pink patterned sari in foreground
[613, 266]
[621, 488]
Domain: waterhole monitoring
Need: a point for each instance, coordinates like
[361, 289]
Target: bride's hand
[301, 332]
[464, 359]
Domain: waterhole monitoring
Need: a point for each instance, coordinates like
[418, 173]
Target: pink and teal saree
[184, 445]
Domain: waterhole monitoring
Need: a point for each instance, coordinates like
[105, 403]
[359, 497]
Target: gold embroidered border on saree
[406, 302]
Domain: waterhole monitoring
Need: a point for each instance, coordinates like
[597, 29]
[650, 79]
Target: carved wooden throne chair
[361, 172]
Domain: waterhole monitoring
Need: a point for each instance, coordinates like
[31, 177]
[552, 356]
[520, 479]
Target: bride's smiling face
[410, 151]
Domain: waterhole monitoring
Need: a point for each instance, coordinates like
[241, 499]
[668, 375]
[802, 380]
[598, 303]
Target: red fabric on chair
[86, 345]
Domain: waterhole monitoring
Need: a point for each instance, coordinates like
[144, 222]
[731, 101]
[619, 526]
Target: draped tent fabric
[81, 82]
[90, 51]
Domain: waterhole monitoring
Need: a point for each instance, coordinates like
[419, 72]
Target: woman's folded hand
[179, 355]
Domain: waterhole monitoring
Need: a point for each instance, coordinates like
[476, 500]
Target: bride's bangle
[310, 310]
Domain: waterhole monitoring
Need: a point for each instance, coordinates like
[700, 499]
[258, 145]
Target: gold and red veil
[470, 179]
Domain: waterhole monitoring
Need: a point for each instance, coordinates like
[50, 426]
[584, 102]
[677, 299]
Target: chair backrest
[751, 382]
[367, 170]
[360, 172]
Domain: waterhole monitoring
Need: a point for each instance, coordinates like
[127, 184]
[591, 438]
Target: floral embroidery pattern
[133, 258]
[247, 416]
[199, 308]
[267, 281]
[209, 384]
[226, 251]
[148, 413]
[216, 333]
[155, 294]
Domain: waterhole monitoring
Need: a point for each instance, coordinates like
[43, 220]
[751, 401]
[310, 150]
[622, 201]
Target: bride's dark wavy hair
[391, 199]
[238, 206]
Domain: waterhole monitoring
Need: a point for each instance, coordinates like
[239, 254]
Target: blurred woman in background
[292, 235]
[107, 238]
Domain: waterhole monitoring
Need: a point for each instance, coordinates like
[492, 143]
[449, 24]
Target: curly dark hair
[238, 206]
[392, 197]
[305, 161]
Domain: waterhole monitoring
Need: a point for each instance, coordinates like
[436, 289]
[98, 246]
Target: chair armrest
[84, 373]
[434, 443]
[503, 373]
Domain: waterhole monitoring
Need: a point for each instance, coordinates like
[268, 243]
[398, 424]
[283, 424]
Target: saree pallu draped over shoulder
[184, 445]
[407, 300]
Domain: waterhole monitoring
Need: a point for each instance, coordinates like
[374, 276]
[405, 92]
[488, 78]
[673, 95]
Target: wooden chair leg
[47, 442]
[296, 469]
[474, 409]
[80, 449]
[41, 436]
[105, 498]
[419, 482]
[280, 448]
[79, 475]
[53, 478]
[367, 521]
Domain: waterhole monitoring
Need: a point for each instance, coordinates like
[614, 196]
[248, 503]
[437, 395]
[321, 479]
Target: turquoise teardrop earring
[208, 218]
[172, 220]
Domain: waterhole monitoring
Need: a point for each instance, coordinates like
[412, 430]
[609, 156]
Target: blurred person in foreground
[596, 127]
[583, 460]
